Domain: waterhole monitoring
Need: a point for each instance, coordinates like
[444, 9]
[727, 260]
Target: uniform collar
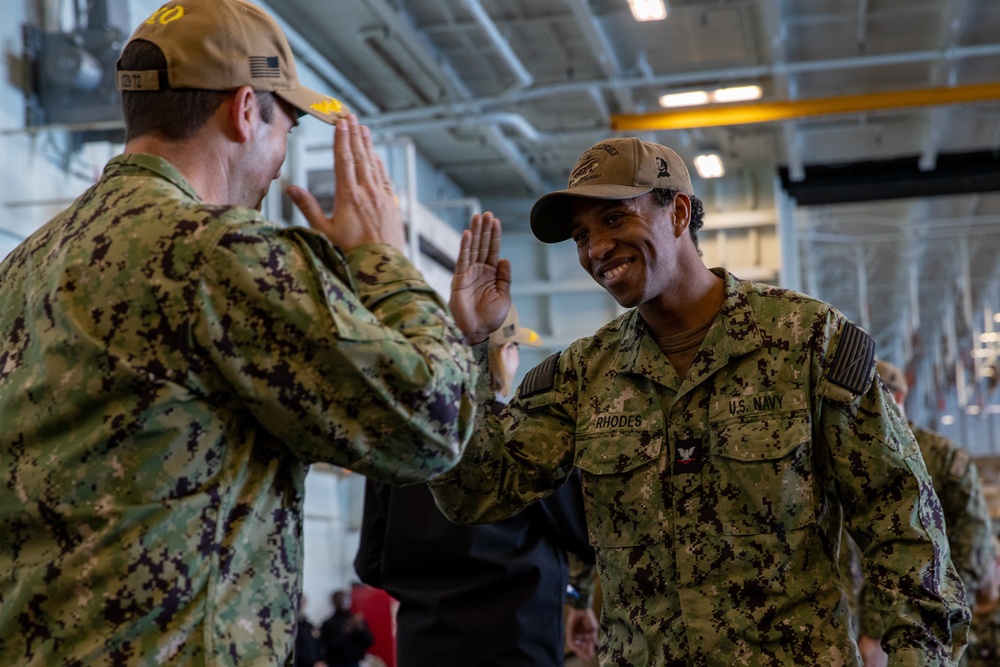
[142, 164]
[734, 333]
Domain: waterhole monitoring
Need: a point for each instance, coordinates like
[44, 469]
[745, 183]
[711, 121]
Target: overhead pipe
[929, 148]
[399, 24]
[307, 55]
[595, 37]
[736, 74]
[787, 89]
[507, 119]
[515, 158]
[523, 76]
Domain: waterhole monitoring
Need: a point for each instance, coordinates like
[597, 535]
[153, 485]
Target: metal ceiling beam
[898, 178]
[768, 112]
[679, 79]
[485, 22]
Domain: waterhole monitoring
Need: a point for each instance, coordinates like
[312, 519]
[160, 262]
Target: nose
[600, 244]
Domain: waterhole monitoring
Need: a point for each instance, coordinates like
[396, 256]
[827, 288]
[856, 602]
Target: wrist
[575, 598]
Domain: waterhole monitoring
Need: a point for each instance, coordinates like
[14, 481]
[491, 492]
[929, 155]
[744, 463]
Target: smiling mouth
[616, 271]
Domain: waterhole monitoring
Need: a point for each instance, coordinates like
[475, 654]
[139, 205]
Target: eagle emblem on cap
[586, 167]
[328, 106]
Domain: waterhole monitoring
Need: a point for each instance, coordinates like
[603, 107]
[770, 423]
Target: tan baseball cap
[511, 331]
[893, 377]
[618, 168]
[223, 45]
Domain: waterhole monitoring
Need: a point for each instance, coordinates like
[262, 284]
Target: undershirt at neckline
[681, 348]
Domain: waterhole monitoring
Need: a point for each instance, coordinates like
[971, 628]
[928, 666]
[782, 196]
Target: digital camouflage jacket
[967, 521]
[167, 371]
[716, 501]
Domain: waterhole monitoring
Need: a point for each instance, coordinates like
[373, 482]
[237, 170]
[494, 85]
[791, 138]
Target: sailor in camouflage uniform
[984, 636]
[725, 430]
[967, 516]
[170, 362]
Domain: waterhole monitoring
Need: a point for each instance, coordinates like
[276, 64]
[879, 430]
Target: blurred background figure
[967, 519]
[308, 647]
[984, 639]
[492, 595]
[345, 635]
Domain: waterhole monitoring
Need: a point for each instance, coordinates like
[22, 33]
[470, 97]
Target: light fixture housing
[648, 10]
[709, 164]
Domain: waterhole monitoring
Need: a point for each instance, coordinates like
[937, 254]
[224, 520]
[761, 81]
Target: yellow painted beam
[769, 112]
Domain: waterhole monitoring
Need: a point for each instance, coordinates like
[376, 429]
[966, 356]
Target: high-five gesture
[365, 208]
[480, 289]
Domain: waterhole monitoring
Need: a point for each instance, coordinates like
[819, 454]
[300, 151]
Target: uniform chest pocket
[763, 477]
[622, 487]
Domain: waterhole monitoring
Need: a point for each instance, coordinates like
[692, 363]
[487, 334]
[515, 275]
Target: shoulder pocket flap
[761, 439]
[603, 455]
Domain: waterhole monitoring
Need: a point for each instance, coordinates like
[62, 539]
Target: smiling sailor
[725, 431]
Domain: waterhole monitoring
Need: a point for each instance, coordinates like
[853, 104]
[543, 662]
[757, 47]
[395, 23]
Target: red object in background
[379, 610]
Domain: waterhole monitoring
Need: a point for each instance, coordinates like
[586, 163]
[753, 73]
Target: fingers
[475, 237]
[493, 255]
[462, 263]
[482, 250]
[383, 174]
[343, 153]
[362, 150]
[484, 239]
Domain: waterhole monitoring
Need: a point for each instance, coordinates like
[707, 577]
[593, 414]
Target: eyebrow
[603, 205]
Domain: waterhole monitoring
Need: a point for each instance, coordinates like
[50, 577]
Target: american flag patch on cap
[264, 67]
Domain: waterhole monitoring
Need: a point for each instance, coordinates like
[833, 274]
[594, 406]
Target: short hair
[171, 113]
[664, 196]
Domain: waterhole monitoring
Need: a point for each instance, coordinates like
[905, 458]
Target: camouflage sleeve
[890, 507]
[969, 528]
[376, 381]
[869, 620]
[517, 457]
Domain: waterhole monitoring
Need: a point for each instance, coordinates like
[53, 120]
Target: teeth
[615, 272]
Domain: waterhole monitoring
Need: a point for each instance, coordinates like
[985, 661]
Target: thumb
[504, 277]
[308, 205]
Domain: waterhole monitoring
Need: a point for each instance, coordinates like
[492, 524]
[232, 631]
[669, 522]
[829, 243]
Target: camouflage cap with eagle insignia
[617, 168]
[224, 45]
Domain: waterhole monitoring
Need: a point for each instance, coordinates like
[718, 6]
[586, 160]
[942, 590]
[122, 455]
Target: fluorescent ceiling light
[648, 10]
[688, 99]
[696, 97]
[709, 165]
[737, 94]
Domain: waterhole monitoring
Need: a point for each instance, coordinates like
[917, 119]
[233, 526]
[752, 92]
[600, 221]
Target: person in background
[490, 596]
[984, 638]
[171, 362]
[966, 516]
[345, 635]
[308, 647]
[726, 431]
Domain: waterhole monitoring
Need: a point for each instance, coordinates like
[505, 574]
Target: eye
[580, 237]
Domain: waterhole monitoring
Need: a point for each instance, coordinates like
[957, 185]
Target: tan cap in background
[511, 331]
[893, 377]
[224, 45]
[618, 168]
